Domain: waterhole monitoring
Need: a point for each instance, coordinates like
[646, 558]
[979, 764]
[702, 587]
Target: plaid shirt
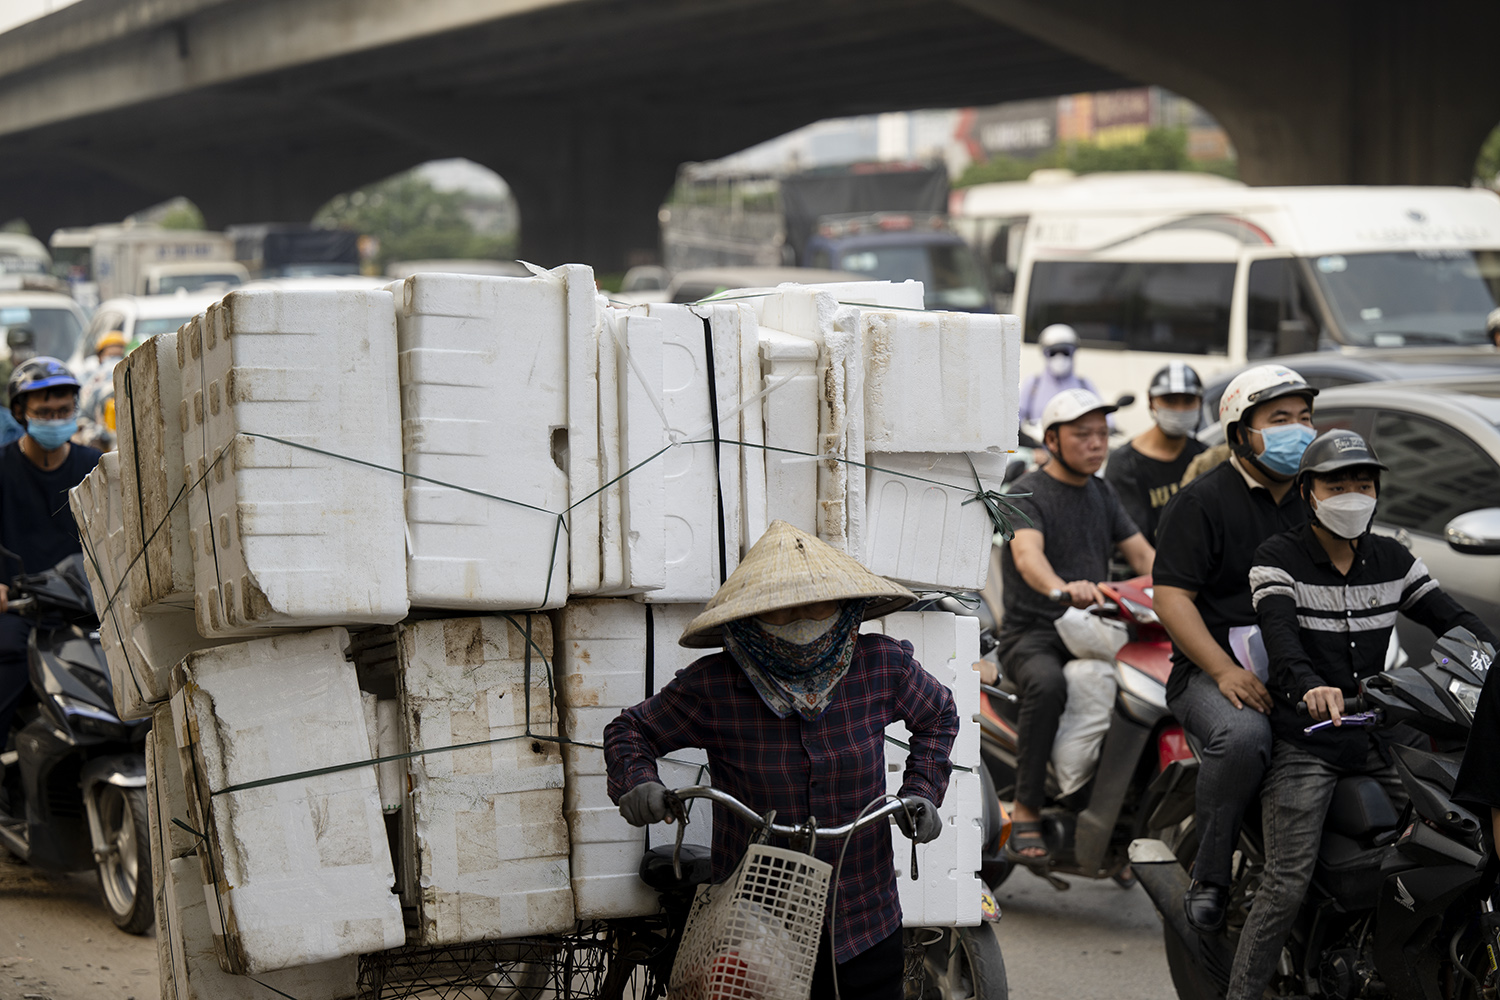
[830, 768]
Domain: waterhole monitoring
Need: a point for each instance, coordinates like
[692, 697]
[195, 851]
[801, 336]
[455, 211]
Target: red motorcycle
[1088, 832]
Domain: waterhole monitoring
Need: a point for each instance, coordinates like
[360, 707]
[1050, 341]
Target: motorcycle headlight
[1465, 694]
[86, 717]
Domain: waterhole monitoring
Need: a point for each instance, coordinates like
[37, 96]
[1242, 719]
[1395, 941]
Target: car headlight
[1465, 694]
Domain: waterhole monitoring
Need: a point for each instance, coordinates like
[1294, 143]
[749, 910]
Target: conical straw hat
[787, 568]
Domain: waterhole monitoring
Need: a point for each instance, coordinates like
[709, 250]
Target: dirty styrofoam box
[291, 427]
[484, 405]
[602, 669]
[940, 381]
[491, 840]
[790, 417]
[948, 890]
[611, 457]
[923, 525]
[185, 951]
[585, 325]
[148, 405]
[696, 485]
[637, 342]
[167, 791]
[294, 871]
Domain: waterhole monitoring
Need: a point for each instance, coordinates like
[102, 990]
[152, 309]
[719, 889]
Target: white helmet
[1057, 335]
[1070, 404]
[1254, 386]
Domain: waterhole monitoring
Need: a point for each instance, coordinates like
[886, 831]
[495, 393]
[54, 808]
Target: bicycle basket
[756, 936]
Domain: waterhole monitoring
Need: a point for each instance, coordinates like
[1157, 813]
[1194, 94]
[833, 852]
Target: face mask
[1284, 447]
[802, 631]
[1347, 515]
[1176, 423]
[1060, 365]
[52, 434]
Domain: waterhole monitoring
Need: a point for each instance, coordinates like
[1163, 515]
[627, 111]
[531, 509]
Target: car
[40, 323]
[700, 283]
[139, 317]
[1441, 495]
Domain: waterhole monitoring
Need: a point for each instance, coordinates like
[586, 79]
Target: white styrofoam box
[753, 456]
[947, 646]
[790, 364]
[389, 775]
[921, 527]
[185, 951]
[637, 343]
[148, 402]
[484, 401]
[585, 324]
[611, 456]
[868, 294]
[166, 791]
[695, 484]
[948, 889]
[298, 871]
[601, 669]
[283, 536]
[491, 841]
[940, 382]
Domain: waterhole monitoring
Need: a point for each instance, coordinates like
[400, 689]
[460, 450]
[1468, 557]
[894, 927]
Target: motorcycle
[74, 785]
[1399, 906]
[1088, 832]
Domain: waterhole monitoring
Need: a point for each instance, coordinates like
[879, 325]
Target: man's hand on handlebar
[1082, 594]
[1243, 688]
[645, 804]
[1325, 704]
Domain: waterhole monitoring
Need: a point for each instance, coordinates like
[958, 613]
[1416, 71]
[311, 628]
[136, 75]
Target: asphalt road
[1094, 941]
[58, 943]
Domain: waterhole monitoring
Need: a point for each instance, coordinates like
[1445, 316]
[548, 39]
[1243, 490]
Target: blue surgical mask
[52, 434]
[1284, 447]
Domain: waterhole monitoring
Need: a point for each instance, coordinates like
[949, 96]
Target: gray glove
[924, 815]
[644, 804]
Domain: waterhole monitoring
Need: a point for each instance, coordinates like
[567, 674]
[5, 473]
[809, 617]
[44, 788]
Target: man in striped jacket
[1326, 596]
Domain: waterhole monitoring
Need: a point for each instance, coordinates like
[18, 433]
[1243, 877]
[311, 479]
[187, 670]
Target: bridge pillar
[1335, 92]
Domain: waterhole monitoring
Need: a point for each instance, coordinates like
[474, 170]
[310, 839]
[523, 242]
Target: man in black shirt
[36, 524]
[1076, 523]
[1146, 470]
[1326, 596]
[1206, 540]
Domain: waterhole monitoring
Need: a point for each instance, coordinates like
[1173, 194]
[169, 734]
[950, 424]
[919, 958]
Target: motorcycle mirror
[1126, 400]
[1013, 471]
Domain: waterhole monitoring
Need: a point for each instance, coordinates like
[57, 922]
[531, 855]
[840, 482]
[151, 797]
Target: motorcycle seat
[1360, 808]
[697, 867]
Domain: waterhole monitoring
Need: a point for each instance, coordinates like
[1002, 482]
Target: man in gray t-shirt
[1076, 522]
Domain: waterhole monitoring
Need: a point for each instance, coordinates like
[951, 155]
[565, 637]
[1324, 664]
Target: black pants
[873, 974]
[15, 677]
[1034, 659]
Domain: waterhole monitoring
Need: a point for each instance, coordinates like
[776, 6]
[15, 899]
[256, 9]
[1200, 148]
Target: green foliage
[415, 221]
[1487, 167]
[183, 215]
[1159, 149]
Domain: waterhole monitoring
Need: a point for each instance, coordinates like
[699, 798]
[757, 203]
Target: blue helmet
[39, 373]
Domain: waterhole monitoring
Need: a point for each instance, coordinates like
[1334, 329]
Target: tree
[1487, 167]
[1159, 149]
[414, 221]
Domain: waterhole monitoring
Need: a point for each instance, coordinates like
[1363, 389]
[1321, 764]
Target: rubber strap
[713, 413]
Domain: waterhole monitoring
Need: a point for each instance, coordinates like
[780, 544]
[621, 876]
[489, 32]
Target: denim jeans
[1293, 806]
[1236, 750]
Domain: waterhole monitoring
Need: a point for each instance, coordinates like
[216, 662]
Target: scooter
[74, 785]
[1400, 905]
[1088, 832]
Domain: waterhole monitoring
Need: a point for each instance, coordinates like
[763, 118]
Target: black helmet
[39, 373]
[1177, 378]
[1335, 450]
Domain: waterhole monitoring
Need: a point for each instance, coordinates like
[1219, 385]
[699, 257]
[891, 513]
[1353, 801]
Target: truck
[121, 258]
[295, 250]
[884, 221]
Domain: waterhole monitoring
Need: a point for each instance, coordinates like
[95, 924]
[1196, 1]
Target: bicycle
[633, 958]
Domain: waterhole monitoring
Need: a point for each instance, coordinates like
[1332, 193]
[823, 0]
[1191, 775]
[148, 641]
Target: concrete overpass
[263, 109]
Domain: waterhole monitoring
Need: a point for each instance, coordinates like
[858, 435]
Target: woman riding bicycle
[793, 716]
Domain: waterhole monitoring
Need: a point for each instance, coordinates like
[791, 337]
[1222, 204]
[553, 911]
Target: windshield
[148, 328]
[1411, 297]
[195, 282]
[55, 332]
[949, 274]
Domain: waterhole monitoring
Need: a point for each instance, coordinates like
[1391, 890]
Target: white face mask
[1060, 365]
[1347, 515]
[802, 631]
[1175, 423]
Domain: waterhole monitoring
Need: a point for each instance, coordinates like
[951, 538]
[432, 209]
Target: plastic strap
[713, 413]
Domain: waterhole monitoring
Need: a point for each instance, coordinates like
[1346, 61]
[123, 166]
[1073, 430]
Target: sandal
[1027, 836]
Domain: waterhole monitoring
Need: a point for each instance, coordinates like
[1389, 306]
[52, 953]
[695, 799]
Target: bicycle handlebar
[723, 798]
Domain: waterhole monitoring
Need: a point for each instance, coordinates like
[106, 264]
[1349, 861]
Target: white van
[1219, 275]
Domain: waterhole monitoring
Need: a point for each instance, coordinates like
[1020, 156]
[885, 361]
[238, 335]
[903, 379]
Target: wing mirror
[1126, 400]
[1476, 533]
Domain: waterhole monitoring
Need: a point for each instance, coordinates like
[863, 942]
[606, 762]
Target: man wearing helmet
[1206, 541]
[1058, 344]
[36, 473]
[1145, 471]
[1076, 524]
[1326, 596]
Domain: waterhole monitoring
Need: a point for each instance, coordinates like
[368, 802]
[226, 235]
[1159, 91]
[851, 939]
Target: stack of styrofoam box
[949, 888]
[281, 389]
[484, 365]
[141, 650]
[295, 872]
[186, 956]
[487, 821]
[602, 669]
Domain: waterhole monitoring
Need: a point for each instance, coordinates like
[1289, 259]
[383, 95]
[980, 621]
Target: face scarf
[796, 676]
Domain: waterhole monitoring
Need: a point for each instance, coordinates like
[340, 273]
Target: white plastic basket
[755, 937]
